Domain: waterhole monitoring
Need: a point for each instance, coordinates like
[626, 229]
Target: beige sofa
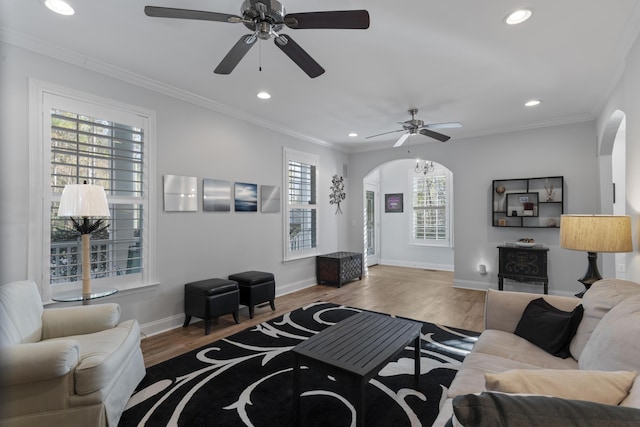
[74, 366]
[607, 339]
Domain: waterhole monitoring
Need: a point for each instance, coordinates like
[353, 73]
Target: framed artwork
[216, 195]
[269, 198]
[246, 197]
[393, 202]
[180, 193]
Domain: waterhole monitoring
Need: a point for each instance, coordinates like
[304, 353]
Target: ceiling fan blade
[169, 12]
[341, 19]
[401, 140]
[237, 52]
[448, 125]
[383, 133]
[435, 135]
[298, 55]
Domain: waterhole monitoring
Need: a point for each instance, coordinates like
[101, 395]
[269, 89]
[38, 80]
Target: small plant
[338, 194]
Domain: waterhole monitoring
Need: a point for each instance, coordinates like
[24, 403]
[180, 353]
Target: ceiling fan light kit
[265, 18]
[414, 126]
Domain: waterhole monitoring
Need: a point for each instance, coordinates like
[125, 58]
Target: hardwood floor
[426, 295]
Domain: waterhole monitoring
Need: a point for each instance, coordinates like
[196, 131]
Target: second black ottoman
[210, 298]
[255, 287]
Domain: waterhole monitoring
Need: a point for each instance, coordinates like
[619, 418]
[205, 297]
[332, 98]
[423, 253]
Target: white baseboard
[163, 325]
[473, 285]
[508, 286]
[410, 264]
[168, 323]
[296, 286]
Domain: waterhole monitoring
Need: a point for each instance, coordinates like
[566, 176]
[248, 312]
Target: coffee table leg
[360, 413]
[416, 360]
[296, 390]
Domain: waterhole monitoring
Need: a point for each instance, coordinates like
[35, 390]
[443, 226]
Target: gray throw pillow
[497, 410]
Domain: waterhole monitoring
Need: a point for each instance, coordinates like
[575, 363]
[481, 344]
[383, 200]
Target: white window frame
[438, 170]
[310, 159]
[41, 97]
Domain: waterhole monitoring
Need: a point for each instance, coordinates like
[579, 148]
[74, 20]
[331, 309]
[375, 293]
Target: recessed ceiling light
[60, 6]
[532, 103]
[353, 134]
[518, 17]
[264, 95]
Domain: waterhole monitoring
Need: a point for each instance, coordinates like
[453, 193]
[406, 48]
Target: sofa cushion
[595, 386]
[549, 328]
[513, 347]
[470, 377]
[20, 313]
[497, 409]
[633, 398]
[597, 301]
[615, 342]
[102, 354]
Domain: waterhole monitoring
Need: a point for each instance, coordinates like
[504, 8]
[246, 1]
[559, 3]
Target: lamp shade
[596, 233]
[83, 200]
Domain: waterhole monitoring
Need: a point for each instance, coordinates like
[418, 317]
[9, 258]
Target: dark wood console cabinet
[338, 267]
[523, 265]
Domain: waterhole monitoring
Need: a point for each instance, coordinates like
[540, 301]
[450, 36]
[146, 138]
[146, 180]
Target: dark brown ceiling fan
[414, 126]
[266, 18]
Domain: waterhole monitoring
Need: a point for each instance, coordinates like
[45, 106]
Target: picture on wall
[246, 197]
[393, 202]
[269, 198]
[180, 193]
[216, 195]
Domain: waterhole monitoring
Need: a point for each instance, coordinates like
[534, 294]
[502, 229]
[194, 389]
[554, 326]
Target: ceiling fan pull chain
[260, 57]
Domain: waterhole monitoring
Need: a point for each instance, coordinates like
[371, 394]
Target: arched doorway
[412, 236]
[613, 184]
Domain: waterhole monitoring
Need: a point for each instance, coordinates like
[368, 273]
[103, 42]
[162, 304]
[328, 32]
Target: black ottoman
[255, 287]
[210, 298]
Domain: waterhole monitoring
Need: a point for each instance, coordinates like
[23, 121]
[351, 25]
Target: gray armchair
[74, 366]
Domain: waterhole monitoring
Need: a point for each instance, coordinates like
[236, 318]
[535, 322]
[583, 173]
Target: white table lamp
[85, 201]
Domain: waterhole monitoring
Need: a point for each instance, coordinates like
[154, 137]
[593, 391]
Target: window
[431, 222]
[301, 211]
[85, 140]
[108, 154]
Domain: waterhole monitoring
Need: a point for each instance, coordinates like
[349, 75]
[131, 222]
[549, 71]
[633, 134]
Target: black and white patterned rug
[246, 380]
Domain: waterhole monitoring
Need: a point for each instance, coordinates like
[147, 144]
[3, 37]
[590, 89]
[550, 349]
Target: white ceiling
[454, 60]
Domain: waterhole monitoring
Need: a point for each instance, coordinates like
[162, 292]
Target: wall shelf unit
[527, 202]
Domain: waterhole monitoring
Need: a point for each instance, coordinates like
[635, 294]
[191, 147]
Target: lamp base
[86, 268]
[592, 275]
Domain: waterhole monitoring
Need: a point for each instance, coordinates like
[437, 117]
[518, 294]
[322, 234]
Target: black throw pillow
[505, 410]
[549, 328]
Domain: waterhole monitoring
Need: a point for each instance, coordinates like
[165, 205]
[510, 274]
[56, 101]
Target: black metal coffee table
[356, 348]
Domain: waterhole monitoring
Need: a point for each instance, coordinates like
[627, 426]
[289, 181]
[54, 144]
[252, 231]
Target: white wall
[568, 150]
[192, 141]
[626, 98]
[395, 227]
[200, 142]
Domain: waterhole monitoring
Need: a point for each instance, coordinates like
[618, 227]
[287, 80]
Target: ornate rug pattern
[246, 380]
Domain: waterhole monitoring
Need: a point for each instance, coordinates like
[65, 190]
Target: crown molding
[74, 58]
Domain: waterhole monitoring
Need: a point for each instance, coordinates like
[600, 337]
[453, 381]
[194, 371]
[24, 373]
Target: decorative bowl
[526, 244]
